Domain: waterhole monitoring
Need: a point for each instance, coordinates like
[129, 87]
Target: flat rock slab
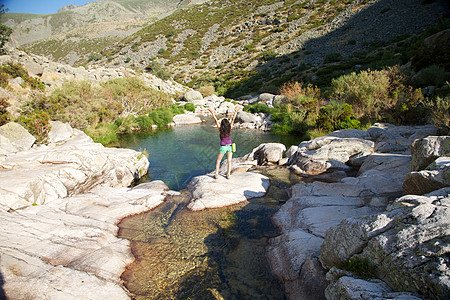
[68, 249]
[208, 192]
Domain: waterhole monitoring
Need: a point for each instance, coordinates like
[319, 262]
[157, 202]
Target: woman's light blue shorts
[225, 149]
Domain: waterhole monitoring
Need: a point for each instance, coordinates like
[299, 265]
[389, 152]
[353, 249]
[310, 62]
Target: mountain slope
[93, 26]
[235, 39]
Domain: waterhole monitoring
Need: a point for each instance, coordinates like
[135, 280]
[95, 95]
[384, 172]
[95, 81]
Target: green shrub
[126, 124]
[17, 70]
[103, 133]
[144, 122]
[158, 70]
[432, 75]
[4, 115]
[337, 115]
[37, 123]
[440, 113]
[189, 107]
[162, 116]
[269, 54]
[207, 90]
[257, 108]
[366, 91]
[332, 57]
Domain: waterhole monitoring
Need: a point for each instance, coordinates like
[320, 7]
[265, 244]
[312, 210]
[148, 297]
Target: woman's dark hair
[225, 128]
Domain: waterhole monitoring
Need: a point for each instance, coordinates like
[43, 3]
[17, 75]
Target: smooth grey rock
[407, 245]
[267, 153]
[266, 97]
[53, 172]
[435, 177]
[321, 154]
[187, 118]
[18, 136]
[425, 151]
[33, 68]
[351, 133]
[288, 252]
[69, 249]
[59, 132]
[6, 147]
[225, 108]
[191, 96]
[208, 192]
[351, 288]
[245, 117]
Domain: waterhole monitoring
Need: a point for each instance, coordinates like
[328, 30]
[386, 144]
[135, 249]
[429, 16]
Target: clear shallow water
[180, 153]
[211, 254]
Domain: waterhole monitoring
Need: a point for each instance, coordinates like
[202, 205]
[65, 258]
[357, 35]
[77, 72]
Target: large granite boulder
[49, 173]
[192, 96]
[328, 153]
[406, 246]
[246, 117]
[59, 132]
[436, 176]
[267, 153]
[425, 151]
[18, 136]
[391, 138]
[344, 286]
[225, 108]
[208, 192]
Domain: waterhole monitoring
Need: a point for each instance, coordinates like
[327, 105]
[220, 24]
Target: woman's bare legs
[219, 158]
[229, 159]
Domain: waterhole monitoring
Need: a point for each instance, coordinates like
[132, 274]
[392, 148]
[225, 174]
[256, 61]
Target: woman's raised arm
[214, 116]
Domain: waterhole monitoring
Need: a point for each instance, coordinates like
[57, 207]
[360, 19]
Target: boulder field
[375, 224]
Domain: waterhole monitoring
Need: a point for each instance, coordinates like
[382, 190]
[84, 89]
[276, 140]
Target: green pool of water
[178, 154]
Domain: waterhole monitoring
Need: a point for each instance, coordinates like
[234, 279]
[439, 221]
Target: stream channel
[211, 254]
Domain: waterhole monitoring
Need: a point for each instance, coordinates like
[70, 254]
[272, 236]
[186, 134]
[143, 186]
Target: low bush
[189, 107]
[144, 122]
[158, 70]
[13, 70]
[440, 113]
[126, 124]
[103, 133]
[4, 114]
[366, 91]
[162, 116]
[432, 75]
[337, 115]
[37, 123]
[207, 90]
[269, 54]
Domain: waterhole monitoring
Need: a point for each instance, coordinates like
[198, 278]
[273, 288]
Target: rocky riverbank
[357, 237]
[59, 206]
[351, 232]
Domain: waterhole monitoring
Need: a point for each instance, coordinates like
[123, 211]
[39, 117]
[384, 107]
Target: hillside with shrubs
[401, 77]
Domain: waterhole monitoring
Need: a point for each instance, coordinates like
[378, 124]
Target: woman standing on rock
[224, 127]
